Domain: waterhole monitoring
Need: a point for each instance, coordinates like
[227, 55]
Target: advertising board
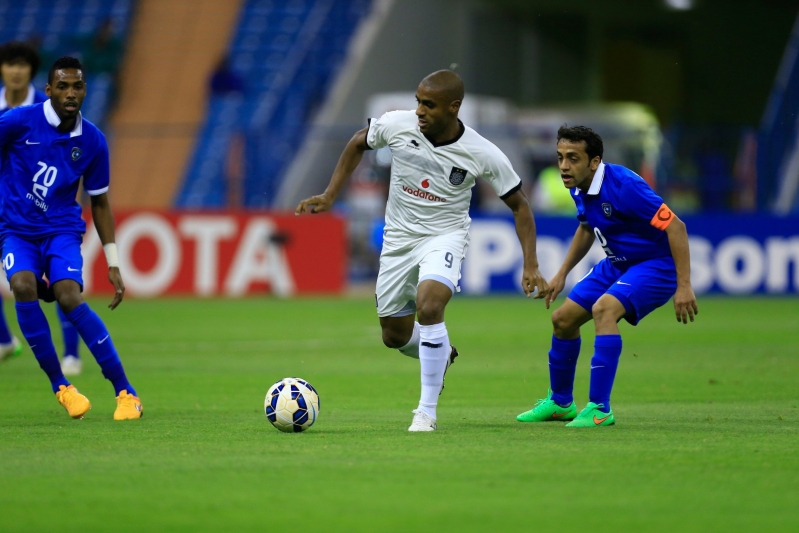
[729, 254]
[221, 254]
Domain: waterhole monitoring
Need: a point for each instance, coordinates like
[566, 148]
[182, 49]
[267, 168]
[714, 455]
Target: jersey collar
[55, 121]
[455, 139]
[596, 182]
[28, 99]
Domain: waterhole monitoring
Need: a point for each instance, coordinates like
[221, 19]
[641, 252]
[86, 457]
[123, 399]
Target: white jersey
[431, 184]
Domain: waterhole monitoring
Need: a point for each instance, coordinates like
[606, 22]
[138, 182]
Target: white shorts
[405, 262]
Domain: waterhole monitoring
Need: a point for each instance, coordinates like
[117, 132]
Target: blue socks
[36, 330]
[563, 363]
[71, 338]
[5, 334]
[562, 366]
[607, 351]
[95, 335]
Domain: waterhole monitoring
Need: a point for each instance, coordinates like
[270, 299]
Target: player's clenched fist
[315, 204]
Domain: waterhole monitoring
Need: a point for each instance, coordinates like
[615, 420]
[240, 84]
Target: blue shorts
[642, 289]
[57, 256]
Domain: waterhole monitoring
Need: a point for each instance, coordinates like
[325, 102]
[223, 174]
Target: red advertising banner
[221, 254]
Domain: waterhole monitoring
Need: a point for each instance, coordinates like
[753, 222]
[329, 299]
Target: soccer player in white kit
[436, 160]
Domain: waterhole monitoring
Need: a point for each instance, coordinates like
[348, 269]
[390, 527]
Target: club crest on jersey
[607, 210]
[76, 153]
[457, 176]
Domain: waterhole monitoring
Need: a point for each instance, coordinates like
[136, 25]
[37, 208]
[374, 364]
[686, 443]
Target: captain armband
[662, 218]
[111, 254]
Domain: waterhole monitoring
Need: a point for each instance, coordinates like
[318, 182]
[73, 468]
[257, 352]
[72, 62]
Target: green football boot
[546, 410]
[592, 417]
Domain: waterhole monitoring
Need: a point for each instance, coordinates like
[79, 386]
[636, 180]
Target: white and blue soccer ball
[292, 405]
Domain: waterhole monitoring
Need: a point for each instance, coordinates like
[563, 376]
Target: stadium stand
[163, 95]
[288, 52]
[63, 27]
[778, 151]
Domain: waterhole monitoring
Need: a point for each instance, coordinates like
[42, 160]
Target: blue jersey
[42, 169]
[626, 215]
[34, 97]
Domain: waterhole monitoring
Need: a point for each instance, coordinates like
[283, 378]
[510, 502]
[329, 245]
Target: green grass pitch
[706, 439]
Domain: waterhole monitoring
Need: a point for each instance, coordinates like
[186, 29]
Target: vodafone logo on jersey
[424, 195]
[221, 254]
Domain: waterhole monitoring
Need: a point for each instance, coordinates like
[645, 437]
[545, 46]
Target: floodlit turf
[706, 438]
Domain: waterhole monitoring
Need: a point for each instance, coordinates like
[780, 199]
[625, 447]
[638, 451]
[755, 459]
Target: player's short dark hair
[62, 63]
[17, 51]
[575, 134]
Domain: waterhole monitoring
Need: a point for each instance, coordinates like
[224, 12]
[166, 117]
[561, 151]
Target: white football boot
[11, 349]
[422, 421]
[71, 366]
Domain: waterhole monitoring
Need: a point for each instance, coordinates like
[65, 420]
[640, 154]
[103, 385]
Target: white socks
[433, 355]
[412, 348]
[429, 344]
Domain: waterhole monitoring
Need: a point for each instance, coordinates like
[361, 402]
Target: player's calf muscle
[396, 332]
[394, 339]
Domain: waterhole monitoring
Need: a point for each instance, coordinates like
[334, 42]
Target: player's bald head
[446, 83]
[439, 98]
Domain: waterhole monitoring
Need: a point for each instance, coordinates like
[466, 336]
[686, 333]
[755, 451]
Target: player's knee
[601, 311]
[430, 312]
[24, 289]
[68, 295]
[598, 310]
[562, 323]
[69, 302]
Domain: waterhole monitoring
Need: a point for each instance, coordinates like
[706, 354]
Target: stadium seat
[288, 52]
[58, 24]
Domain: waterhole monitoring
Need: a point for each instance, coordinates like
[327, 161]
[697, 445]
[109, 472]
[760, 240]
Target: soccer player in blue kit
[47, 148]
[647, 263]
[19, 63]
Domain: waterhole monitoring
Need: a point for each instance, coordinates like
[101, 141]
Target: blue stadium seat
[57, 23]
[288, 52]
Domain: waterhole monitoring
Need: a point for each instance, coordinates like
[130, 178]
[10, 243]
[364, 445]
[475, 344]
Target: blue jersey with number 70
[42, 169]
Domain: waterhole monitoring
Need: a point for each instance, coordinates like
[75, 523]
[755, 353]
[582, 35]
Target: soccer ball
[292, 405]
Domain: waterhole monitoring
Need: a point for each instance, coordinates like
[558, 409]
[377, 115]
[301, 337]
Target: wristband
[111, 255]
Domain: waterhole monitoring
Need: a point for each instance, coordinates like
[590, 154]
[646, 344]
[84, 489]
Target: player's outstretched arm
[350, 157]
[581, 243]
[104, 223]
[525, 230]
[684, 299]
